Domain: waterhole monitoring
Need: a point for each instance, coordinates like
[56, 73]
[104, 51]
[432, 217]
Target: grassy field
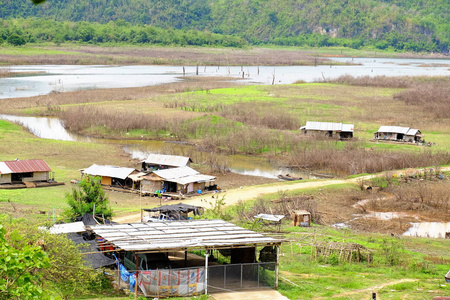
[264, 120]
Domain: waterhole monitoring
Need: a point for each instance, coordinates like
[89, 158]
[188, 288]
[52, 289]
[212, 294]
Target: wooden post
[184, 71]
[136, 257]
[196, 70]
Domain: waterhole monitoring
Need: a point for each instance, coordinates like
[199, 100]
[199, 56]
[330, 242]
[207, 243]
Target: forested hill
[402, 24]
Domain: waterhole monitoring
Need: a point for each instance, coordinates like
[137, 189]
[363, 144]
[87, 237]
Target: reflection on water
[52, 128]
[429, 229]
[65, 78]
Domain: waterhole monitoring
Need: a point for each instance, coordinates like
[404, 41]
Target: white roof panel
[4, 168]
[108, 171]
[68, 227]
[393, 129]
[168, 160]
[179, 234]
[328, 126]
[176, 172]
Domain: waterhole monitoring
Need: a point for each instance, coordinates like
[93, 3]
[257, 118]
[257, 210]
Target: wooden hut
[114, 176]
[182, 180]
[301, 218]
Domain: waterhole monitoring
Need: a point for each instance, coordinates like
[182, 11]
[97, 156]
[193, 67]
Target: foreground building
[176, 272]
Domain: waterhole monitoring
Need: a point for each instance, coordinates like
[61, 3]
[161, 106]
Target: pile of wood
[345, 252]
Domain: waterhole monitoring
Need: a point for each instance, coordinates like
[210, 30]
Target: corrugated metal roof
[327, 126]
[194, 178]
[108, 171]
[24, 166]
[176, 172]
[68, 227]
[168, 160]
[393, 129]
[183, 175]
[172, 235]
[413, 131]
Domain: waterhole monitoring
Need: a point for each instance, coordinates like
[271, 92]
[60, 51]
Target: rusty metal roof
[327, 126]
[24, 166]
[173, 235]
[168, 160]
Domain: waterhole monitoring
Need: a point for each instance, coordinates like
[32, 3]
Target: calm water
[67, 78]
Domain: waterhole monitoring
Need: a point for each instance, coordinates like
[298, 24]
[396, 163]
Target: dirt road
[233, 196]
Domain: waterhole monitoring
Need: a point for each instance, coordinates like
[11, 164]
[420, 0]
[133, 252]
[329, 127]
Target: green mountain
[415, 25]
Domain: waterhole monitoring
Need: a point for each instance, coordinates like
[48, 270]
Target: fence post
[277, 265]
[241, 273]
[224, 276]
[257, 270]
[206, 271]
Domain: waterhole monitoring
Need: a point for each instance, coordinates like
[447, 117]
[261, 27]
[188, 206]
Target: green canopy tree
[20, 270]
[89, 197]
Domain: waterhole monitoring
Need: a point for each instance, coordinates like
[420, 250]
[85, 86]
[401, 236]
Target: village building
[162, 161]
[115, 176]
[182, 180]
[339, 130]
[399, 134]
[25, 171]
[160, 255]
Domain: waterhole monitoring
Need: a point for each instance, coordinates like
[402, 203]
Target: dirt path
[233, 196]
[371, 289]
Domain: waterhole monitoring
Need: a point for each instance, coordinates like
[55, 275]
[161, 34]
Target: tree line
[33, 30]
[413, 25]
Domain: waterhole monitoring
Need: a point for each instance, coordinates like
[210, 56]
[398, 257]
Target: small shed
[339, 130]
[399, 134]
[113, 175]
[183, 180]
[28, 170]
[301, 218]
[162, 161]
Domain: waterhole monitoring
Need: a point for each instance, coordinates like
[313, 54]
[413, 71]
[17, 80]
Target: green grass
[33, 50]
[66, 159]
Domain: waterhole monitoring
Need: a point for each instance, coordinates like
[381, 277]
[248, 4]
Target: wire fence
[240, 276]
[190, 281]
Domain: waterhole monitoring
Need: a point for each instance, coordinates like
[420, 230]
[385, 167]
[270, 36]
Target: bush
[16, 40]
